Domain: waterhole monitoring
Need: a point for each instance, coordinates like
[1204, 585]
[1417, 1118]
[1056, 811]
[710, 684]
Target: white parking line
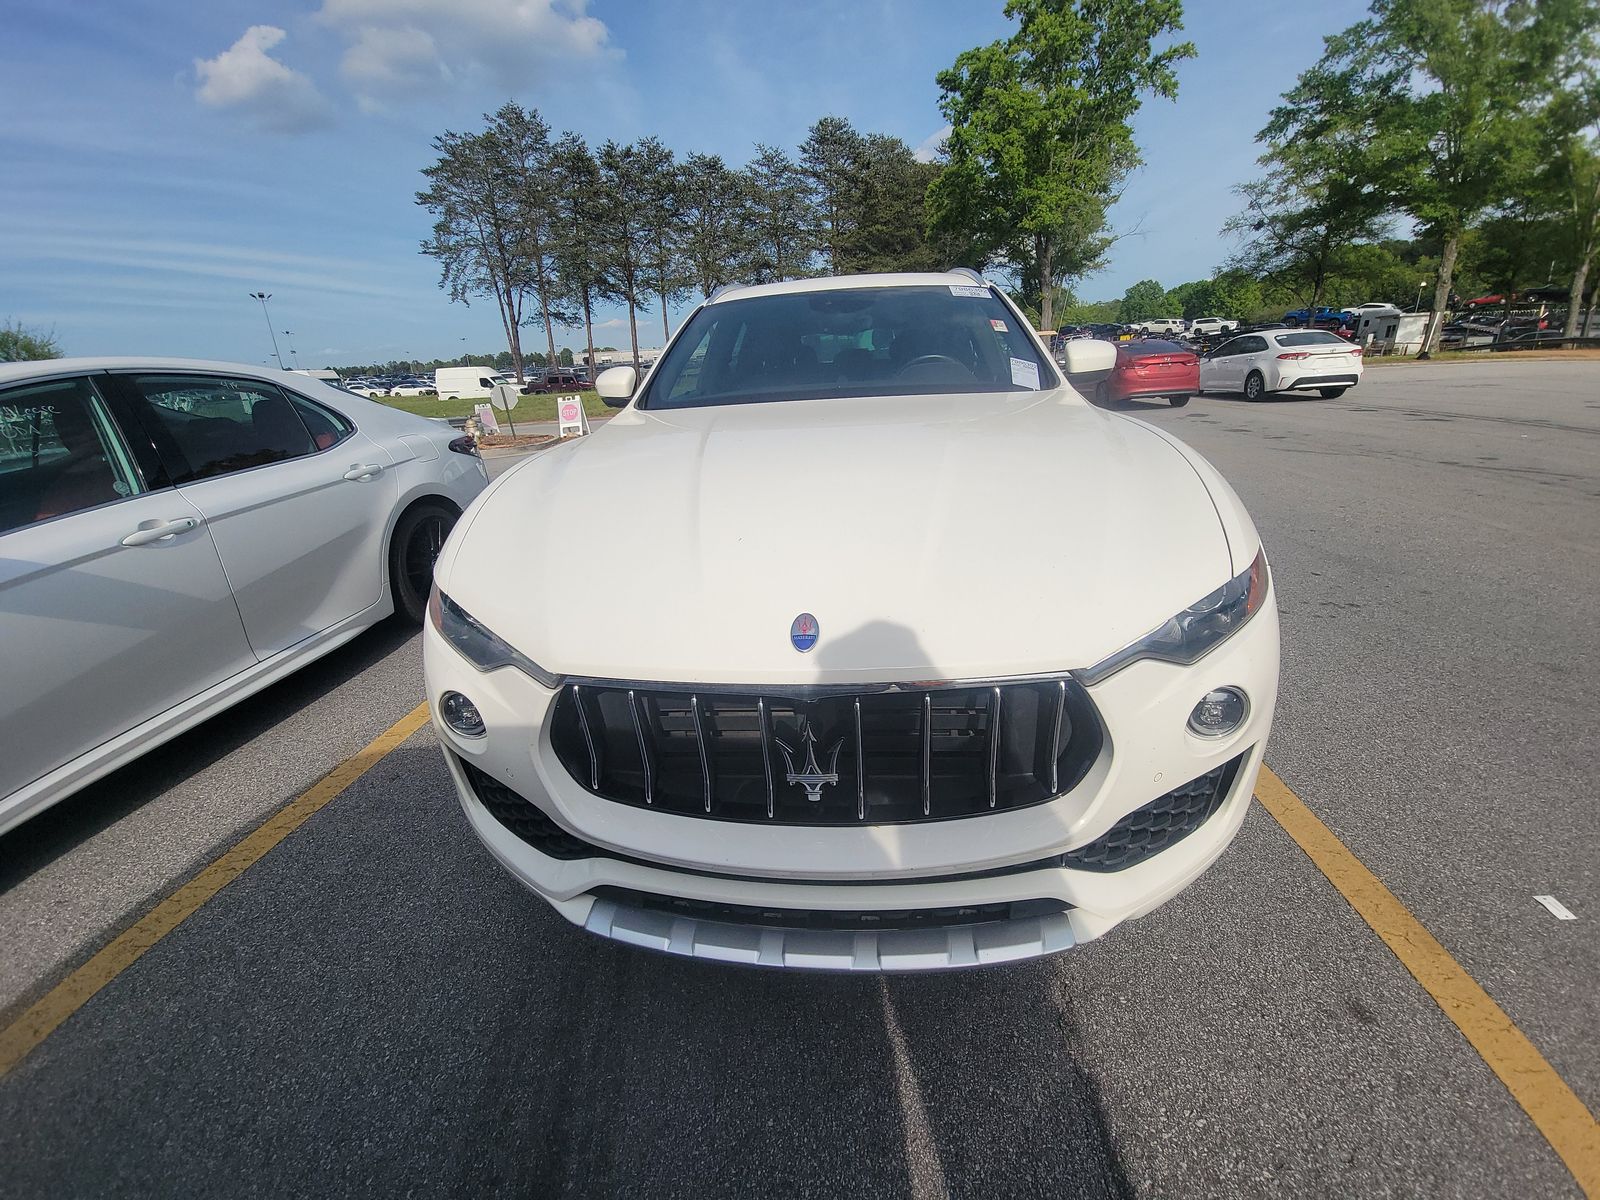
[1560, 910]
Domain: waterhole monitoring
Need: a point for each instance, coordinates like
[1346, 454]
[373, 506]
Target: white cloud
[932, 145]
[247, 79]
[513, 42]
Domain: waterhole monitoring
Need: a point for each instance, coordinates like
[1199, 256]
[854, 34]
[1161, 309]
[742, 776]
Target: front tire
[1330, 393]
[413, 549]
[1255, 387]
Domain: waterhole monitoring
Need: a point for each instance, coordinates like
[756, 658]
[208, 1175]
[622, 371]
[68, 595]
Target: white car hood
[943, 537]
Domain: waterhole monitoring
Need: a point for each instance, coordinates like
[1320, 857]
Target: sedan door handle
[363, 471]
[160, 531]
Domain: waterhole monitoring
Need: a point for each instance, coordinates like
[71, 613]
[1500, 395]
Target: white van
[466, 383]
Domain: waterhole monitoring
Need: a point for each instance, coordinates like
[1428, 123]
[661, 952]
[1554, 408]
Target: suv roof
[834, 283]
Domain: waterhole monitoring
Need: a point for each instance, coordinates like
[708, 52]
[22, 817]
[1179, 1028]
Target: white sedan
[924, 661]
[1282, 360]
[176, 535]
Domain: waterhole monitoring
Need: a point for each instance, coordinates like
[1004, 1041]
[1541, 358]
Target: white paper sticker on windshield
[997, 325]
[1025, 373]
[968, 289]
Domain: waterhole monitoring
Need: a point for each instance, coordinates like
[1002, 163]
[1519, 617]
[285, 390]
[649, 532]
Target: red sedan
[1151, 368]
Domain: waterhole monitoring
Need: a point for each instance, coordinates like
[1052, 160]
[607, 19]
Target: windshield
[1310, 338]
[884, 341]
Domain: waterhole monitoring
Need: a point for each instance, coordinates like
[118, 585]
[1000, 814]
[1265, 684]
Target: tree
[520, 140]
[1437, 93]
[1143, 300]
[1572, 174]
[831, 159]
[624, 232]
[1040, 140]
[565, 358]
[18, 343]
[665, 273]
[1230, 295]
[477, 238]
[711, 206]
[579, 246]
[782, 225]
[885, 223]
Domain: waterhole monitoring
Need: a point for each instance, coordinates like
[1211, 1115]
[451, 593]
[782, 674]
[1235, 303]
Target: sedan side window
[1233, 346]
[327, 428]
[59, 453]
[223, 425]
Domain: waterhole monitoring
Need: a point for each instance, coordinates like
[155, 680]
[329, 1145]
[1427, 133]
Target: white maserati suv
[893, 653]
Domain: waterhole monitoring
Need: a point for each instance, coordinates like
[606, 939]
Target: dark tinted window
[221, 425]
[848, 342]
[1311, 338]
[59, 453]
[1236, 346]
[1251, 345]
[326, 427]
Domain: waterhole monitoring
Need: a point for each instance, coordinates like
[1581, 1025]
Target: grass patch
[529, 408]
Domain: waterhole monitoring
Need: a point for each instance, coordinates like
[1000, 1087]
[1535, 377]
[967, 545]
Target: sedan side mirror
[1088, 361]
[616, 384]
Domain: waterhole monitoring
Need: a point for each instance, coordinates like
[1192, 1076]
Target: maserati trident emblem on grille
[810, 776]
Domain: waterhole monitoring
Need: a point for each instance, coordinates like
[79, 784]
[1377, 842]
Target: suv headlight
[480, 647]
[1197, 629]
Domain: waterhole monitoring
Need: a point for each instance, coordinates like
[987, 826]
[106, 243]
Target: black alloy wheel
[418, 538]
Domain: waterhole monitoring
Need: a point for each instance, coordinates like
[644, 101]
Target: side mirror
[615, 385]
[1088, 361]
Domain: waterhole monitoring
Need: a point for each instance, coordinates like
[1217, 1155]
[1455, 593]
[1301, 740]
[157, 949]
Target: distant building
[617, 358]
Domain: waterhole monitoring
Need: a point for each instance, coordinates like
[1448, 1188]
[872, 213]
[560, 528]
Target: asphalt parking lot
[374, 1007]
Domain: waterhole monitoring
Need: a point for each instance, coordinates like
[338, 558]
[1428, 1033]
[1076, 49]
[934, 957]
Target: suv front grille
[838, 758]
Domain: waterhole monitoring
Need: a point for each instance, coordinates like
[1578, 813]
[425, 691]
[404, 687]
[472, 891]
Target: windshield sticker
[1025, 373]
[967, 289]
[998, 326]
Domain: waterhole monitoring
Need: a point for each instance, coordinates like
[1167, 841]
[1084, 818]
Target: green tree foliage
[1143, 300]
[1439, 94]
[520, 139]
[477, 235]
[712, 202]
[782, 219]
[1040, 139]
[19, 343]
[830, 160]
[666, 272]
[625, 231]
[580, 257]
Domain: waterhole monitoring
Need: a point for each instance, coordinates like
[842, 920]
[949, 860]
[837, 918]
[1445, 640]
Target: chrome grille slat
[927, 754]
[700, 744]
[766, 755]
[588, 739]
[881, 755]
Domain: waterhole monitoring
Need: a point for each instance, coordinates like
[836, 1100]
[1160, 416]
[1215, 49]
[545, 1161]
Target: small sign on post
[506, 396]
[486, 418]
[570, 414]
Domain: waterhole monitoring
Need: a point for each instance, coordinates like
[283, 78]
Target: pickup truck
[1303, 316]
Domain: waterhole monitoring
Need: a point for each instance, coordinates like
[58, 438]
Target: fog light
[1219, 712]
[461, 715]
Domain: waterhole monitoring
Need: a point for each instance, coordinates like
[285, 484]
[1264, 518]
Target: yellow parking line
[1554, 1108]
[73, 992]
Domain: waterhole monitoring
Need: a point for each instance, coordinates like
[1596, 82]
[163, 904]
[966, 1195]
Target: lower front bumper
[935, 924]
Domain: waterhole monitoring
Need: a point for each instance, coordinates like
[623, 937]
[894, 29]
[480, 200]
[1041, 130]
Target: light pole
[293, 353]
[264, 297]
[1417, 307]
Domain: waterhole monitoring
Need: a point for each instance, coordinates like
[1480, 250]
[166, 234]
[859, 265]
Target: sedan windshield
[885, 341]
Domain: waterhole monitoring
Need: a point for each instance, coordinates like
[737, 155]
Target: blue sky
[164, 159]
